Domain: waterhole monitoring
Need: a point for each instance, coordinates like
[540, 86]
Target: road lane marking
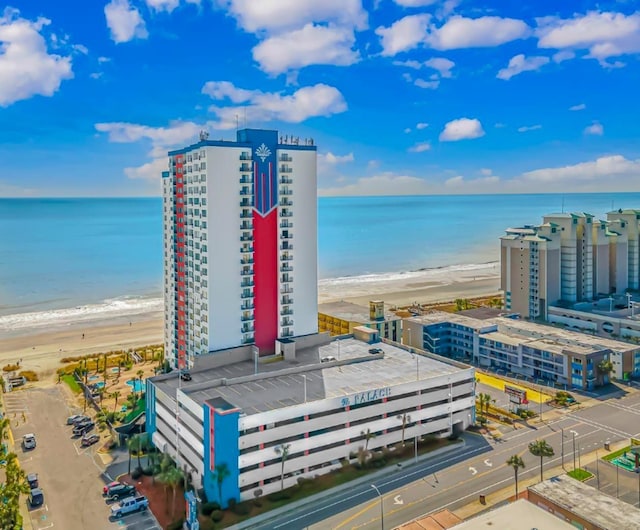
[473, 470]
[606, 428]
[488, 462]
[398, 500]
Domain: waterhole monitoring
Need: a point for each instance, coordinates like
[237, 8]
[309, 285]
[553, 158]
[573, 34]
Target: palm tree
[137, 443]
[115, 395]
[132, 446]
[516, 463]
[5, 424]
[541, 449]
[220, 474]
[404, 418]
[368, 435]
[14, 485]
[172, 477]
[283, 451]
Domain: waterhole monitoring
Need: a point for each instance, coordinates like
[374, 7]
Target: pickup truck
[130, 505]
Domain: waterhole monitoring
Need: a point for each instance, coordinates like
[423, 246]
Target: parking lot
[71, 476]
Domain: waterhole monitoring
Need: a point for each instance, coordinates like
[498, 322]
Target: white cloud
[477, 185]
[461, 32]
[442, 65]
[102, 60]
[580, 106]
[407, 130]
[95, 75]
[26, 67]
[461, 129]
[563, 55]
[411, 63]
[280, 15]
[420, 147]
[311, 44]
[404, 34]
[421, 126]
[602, 171]
[225, 89]
[604, 35]
[149, 171]
[595, 129]
[421, 83]
[163, 5]
[332, 159]
[384, 184]
[80, 48]
[304, 103]
[124, 21]
[176, 133]
[527, 128]
[486, 172]
[415, 3]
[519, 63]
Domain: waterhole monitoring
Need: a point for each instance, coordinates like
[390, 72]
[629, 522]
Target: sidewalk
[367, 479]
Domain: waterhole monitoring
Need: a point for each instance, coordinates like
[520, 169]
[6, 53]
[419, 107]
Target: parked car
[83, 428]
[375, 350]
[90, 439]
[328, 359]
[130, 505]
[32, 479]
[29, 441]
[107, 487]
[80, 419]
[185, 375]
[36, 498]
[121, 491]
[72, 419]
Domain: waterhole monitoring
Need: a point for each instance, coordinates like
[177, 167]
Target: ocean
[68, 260]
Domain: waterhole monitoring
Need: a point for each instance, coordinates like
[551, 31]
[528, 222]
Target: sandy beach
[41, 351]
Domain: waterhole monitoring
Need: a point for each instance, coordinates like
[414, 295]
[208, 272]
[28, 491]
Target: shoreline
[41, 347]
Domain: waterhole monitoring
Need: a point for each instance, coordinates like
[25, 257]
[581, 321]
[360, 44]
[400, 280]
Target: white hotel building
[232, 414]
[240, 244]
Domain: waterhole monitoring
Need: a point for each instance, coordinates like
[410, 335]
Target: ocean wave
[421, 274]
[112, 308]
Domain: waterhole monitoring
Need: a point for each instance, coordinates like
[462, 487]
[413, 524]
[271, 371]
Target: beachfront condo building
[568, 259]
[240, 244]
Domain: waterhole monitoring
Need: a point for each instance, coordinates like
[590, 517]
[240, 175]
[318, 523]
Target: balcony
[286, 268]
[286, 191]
[246, 203]
[286, 224]
[247, 283]
[246, 261]
[286, 322]
[244, 296]
[286, 311]
[286, 279]
[286, 290]
[245, 156]
[286, 257]
[286, 300]
[246, 238]
[247, 318]
[246, 215]
[285, 213]
[246, 306]
[246, 250]
[246, 180]
[248, 329]
[246, 272]
[285, 169]
[245, 167]
[284, 157]
[246, 191]
[286, 235]
[246, 226]
[287, 333]
[286, 246]
[248, 339]
[285, 202]
[285, 180]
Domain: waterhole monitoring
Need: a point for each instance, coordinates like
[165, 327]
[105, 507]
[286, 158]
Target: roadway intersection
[459, 477]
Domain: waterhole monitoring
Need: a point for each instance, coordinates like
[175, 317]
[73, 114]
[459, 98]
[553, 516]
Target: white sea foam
[435, 274]
[113, 308]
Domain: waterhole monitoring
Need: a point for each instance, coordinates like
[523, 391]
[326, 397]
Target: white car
[29, 441]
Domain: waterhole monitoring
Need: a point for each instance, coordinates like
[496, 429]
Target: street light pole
[598, 472]
[562, 447]
[381, 506]
[415, 443]
[617, 482]
[574, 448]
[304, 377]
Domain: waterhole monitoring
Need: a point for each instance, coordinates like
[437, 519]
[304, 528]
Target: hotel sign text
[366, 397]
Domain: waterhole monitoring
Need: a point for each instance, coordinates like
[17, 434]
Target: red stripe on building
[265, 235]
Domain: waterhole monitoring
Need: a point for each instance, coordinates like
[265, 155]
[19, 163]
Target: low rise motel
[318, 402]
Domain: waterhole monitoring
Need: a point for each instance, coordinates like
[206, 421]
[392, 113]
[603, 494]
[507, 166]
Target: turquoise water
[69, 260]
[100, 384]
[136, 385]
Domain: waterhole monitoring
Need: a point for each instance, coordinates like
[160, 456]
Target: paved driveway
[70, 475]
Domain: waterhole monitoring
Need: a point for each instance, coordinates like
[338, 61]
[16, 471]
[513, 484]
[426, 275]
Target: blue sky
[401, 96]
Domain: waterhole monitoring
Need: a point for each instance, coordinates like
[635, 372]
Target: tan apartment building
[341, 318]
[630, 220]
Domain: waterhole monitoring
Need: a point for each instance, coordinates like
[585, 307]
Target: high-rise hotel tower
[240, 244]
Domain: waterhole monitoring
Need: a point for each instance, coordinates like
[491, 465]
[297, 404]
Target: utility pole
[562, 447]
[598, 473]
[574, 448]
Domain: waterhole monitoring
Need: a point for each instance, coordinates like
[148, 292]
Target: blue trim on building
[150, 409]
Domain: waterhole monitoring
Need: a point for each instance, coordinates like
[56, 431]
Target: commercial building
[569, 258]
[340, 318]
[240, 244]
[583, 506]
[524, 349]
[317, 403]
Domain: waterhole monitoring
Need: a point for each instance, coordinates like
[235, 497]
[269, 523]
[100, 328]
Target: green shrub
[242, 509]
[148, 471]
[217, 515]
[136, 473]
[208, 508]
[176, 525]
[280, 496]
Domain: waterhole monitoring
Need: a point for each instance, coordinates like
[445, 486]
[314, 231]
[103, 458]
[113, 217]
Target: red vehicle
[107, 487]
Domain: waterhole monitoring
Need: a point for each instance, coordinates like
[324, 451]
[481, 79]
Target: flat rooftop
[352, 312]
[589, 503]
[280, 384]
[519, 515]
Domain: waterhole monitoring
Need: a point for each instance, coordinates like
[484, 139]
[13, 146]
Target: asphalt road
[69, 474]
[460, 479]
